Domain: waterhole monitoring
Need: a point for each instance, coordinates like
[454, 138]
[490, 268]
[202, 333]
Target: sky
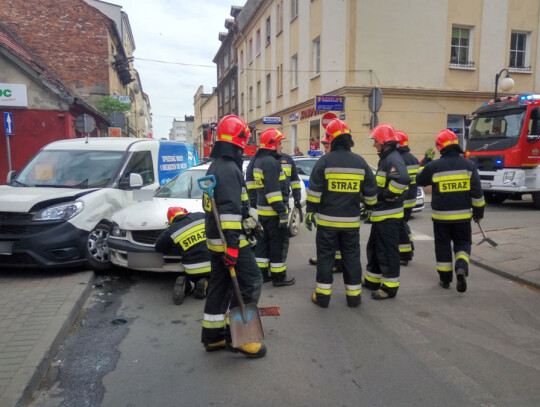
[182, 34]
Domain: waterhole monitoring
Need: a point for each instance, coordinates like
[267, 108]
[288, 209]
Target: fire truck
[504, 141]
[209, 138]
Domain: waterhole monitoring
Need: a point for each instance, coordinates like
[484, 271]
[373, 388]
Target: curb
[505, 274]
[28, 378]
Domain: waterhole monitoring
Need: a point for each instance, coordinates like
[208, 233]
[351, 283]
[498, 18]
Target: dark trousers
[220, 294]
[406, 245]
[460, 236]
[328, 241]
[271, 251]
[383, 256]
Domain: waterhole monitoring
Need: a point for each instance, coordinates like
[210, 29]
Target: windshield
[71, 169]
[304, 167]
[184, 185]
[497, 125]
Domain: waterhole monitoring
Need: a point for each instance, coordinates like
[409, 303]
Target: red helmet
[270, 139]
[403, 139]
[233, 129]
[335, 129]
[384, 133]
[174, 211]
[445, 139]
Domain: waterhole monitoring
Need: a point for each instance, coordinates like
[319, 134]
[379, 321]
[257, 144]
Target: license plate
[486, 185]
[145, 260]
[6, 248]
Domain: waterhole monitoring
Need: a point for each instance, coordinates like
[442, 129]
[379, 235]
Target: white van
[56, 212]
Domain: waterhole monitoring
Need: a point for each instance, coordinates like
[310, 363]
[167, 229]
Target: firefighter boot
[265, 274]
[321, 300]
[354, 301]
[444, 284]
[219, 345]
[380, 294]
[200, 288]
[461, 276]
[251, 350]
[370, 285]
[313, 260]
[283, 280]
[182, 287]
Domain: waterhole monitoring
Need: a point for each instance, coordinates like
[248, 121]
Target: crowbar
[485, 239]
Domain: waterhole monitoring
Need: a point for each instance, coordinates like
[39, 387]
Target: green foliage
[108, 105]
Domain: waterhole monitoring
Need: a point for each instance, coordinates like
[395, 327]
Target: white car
[135, 230]
[304, 166]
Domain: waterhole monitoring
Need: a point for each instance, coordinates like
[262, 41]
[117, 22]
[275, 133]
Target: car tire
[97, 251]
[294, 223]
[495, 198]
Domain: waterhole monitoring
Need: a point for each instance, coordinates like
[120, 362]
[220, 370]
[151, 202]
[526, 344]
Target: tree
[108, 105]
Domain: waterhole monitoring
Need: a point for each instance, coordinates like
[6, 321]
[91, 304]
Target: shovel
[485, 239]
[245, 321]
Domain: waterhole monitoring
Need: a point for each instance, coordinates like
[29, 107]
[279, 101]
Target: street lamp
[507, 83]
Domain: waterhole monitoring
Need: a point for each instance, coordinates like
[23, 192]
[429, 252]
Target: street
[426, 347]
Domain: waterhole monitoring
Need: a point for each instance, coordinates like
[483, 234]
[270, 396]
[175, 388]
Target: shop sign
[13, 94]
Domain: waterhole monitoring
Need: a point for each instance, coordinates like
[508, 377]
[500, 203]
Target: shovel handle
[207, 184]
[481, 229]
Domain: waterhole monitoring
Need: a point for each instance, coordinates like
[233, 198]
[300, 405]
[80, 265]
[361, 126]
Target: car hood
[152, 215]
[23, 199]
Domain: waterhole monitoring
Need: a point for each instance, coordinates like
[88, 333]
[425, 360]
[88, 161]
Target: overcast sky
[178, 32]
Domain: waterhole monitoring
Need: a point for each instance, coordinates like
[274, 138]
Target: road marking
[417, 236]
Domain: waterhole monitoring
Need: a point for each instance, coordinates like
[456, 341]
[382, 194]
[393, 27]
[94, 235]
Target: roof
[100, 143]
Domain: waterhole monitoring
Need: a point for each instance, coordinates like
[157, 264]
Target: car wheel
[294, 223]
[97, 251]
[495, 198]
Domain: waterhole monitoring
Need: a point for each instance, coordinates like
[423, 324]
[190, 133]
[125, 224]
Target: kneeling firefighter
[185, 237]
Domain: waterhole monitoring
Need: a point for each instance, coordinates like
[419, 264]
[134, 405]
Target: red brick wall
[69, 35]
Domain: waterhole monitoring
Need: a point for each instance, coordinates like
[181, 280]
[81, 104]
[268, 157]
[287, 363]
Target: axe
[485, 239]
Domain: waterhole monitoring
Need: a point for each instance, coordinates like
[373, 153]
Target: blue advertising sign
[329, 102]
[8, 124]
[271, 120]
[173, 158]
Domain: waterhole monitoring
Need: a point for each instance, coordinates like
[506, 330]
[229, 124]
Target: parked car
[56, 212]
[304, 166]
[135, 230]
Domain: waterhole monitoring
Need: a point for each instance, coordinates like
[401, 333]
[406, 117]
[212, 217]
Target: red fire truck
[504, 141]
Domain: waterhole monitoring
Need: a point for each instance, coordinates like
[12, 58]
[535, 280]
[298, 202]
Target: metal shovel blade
[245, 332]
[485, 239]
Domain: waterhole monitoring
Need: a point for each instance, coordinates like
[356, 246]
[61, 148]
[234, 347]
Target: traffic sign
[329, 102]
[327, 118]
[8, 124]
[84, 123]
[375, 100]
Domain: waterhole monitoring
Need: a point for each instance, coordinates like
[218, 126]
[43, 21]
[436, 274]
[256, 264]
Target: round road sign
[327, 118]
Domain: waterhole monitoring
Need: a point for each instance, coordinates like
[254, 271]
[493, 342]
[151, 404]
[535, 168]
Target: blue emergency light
[530, 97]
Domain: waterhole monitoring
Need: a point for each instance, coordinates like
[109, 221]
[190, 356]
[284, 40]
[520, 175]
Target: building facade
[182, 130]
[434, 62]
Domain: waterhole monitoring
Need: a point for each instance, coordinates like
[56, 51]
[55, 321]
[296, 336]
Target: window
[220, 99]
[317, 56]
[250, 50]
[226, 60]
[241, 62]
[140, 163]
[279, 21]
[294, 141]
[294, 71]
[258, 93]
[226, 93]
[233, 88]
[241, 104]
[268, 31]
[461, 47]
[294, 9]
[268, 87]
[250, 101]
[279, 80]
[258, 43]
[519, 51]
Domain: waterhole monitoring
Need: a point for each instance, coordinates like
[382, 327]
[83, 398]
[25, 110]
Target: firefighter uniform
[383, 266]
[336, 185]
[293, 180]
[406, 244]
[456, 198]
[230, 197]
[185, 237]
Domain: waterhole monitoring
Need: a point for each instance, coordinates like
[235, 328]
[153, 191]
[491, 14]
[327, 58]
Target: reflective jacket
[267, 184]
[289, 168]
[412, 169]
[456, 188]
[392, 182]
[339, 181]
[186, 238]
[231, 200]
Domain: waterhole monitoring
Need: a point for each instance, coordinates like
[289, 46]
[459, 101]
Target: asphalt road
[426, 347]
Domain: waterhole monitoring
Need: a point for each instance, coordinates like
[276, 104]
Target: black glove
[298, 206]
[283, 220]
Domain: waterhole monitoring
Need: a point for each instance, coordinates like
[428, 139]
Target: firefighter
[229, 194]
[406, 244]
[313, 260]
[336, 185]
[456, 189]
[267, 178]
[386, 216]
[185, 237]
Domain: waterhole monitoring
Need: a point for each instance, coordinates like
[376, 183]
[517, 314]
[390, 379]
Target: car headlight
[57, 212]
[116, 231]
[508, 177]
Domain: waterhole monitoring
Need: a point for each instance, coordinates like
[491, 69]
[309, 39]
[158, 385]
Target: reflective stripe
[381, 180]
[372, 277]
[187, 227]
[403, 248]
[343, 170]
[197, 268]
[262, 262]
[325, 289]
[314, 193]
[311, 198]
[252, 185]
[409, 203]
[244, 197]
[451, 175]
[277, 267]
[216, 245]
[451, 215]
[370, 200]
[213, 321]
[338, 221]
[444, 267]
[266, 211]
[478, 202]
[377, 216]
[263, 265]
[274, 197]
[390, 282]
[396, 187]
[191, 236]
[353, 290]
[282, 176]
[295, 184]
[462, 255]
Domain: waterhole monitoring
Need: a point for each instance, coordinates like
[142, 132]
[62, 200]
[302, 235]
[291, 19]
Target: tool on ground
[269, 311]
[245, 321]
[485, 239]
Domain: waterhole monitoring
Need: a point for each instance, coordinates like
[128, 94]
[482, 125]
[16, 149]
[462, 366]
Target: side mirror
[531, 138]
[10, 176]
[135, 181]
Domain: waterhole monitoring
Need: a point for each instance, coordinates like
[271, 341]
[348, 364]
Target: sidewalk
[37, 309]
